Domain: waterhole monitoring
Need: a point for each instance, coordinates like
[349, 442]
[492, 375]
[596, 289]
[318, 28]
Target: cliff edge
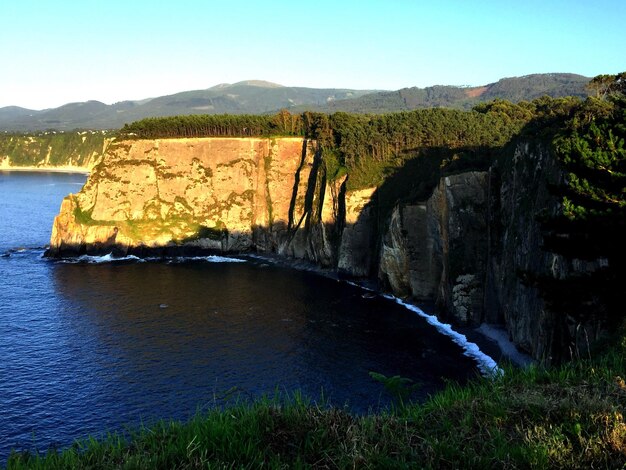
[212, 194]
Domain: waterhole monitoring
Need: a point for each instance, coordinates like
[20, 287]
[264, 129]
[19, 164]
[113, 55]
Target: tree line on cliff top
[356, 142]
[370, 147]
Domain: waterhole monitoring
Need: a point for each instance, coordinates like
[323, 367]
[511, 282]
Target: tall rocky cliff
[467, 246]
[224, 194]
[463, 247]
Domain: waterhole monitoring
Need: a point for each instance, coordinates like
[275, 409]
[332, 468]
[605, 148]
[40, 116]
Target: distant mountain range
[259, 97]
[514, 89]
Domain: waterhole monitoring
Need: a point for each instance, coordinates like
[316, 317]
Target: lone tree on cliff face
[592, 223]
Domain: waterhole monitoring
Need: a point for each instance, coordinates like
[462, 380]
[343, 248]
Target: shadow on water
[191, 331]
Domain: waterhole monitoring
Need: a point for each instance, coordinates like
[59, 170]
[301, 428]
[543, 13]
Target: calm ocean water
[88, 347]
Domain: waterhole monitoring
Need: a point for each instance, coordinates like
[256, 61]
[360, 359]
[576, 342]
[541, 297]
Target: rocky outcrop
[357, 242]
[468, 244]
[208, 193]
[465, 246]
[519, 195]
[214, 194]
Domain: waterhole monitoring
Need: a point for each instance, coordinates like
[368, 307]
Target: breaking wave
[110, 258]
[487, 366]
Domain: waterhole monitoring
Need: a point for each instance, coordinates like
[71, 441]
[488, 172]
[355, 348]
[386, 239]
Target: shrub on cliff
[591, 226]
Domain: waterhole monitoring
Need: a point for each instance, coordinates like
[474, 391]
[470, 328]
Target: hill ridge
[262, 97]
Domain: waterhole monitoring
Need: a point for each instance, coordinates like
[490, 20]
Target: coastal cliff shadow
[276, 238]
[181, 330]
[296, 183]
[414, 182]
[518, 272]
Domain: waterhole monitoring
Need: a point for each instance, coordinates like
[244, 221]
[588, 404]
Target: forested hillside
[515, 89]
[249, 97]
[258, 97]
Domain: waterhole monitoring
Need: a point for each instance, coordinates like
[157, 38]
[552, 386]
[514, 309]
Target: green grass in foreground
[567, 417]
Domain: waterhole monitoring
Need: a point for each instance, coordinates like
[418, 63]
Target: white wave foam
[487, 366]
[208, 259]
[109, 258]
[22, 251]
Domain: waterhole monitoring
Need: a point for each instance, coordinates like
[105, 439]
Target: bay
[98, 345]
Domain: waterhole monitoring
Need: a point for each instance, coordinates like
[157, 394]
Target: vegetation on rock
[591, 228]
[53, 148]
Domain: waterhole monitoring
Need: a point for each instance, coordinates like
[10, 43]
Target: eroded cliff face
[519, 195]
[211, 193]
[468, 244]
[221, 194]
[462, 248]
[437, 250]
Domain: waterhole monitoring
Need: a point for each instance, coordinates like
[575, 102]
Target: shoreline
[50, 169]
[474, 341]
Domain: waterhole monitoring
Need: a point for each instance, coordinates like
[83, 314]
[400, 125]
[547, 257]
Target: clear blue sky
[54, 52]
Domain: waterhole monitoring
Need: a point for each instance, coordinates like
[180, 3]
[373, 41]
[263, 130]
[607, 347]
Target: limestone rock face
[70, 233]
[204, 192]
[465, 248]
[218, 194]
[519, 195]
[409, 262]
[357, 238]
[461, 201]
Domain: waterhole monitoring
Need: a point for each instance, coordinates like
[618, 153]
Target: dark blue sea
[95, 345]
